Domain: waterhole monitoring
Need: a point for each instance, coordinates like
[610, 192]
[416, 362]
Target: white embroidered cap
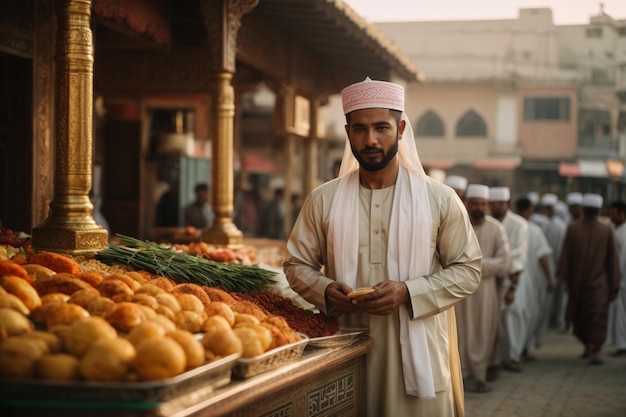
[370, 94]
[592, 200]
[499, 194]
[533, 196]
[456, 181]
[549, 199]
[477, 191]
[574, 199]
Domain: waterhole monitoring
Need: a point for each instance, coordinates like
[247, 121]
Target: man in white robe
[510, 333]
[478, 314]
[384, 224]
[617, 310]
[555, 233]
[535, 284]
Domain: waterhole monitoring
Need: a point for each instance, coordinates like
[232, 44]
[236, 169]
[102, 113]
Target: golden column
[70, 226]
[222, 19]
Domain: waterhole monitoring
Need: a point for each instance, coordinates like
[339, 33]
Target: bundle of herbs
[182, 267]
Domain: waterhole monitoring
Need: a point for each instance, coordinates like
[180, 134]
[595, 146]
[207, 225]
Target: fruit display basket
[272, 359]
[137, 395]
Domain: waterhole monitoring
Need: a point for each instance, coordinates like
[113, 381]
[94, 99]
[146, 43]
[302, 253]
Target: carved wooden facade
[182, 50]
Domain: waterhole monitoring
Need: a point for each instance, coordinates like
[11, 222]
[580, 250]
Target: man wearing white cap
[536, 216]
[383, 223]
[617, 310]
[574, 202]
[457, 183]
[589, 265]
[555, 233]
[510, 341]
[478, 314]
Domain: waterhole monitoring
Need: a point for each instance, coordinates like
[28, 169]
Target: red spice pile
[306, 322]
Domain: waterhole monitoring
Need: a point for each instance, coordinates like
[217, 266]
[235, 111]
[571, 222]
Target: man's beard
[376, 165]
[477, 215]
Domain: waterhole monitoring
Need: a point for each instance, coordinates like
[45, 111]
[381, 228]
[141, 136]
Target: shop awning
[592, 168]
[615, 167]
[497, 163]
[256, 164]
[569, 169]
[438, 163]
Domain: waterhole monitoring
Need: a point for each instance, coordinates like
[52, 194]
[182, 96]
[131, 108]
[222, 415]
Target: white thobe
[478, 314]
[508, 327]
[539, 301]
[454, 274]
[617, 310]
[555, 233]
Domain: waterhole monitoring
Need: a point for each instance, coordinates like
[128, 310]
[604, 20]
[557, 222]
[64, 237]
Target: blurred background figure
[199, 214]
[457, 183]
[272, 219]
[296, 205]
[574, 202]
[589, 265]
[617, 311]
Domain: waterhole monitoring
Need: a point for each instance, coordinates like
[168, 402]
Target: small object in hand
[360, 291]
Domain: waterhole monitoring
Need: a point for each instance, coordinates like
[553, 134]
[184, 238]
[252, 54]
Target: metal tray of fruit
[272, 359]
[124, 394]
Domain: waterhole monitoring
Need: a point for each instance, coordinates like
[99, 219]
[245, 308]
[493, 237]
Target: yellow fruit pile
[112, 325]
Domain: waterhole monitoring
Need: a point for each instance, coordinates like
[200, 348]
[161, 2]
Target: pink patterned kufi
[370, 94]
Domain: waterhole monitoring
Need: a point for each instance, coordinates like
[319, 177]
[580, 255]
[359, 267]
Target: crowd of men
[546, 263]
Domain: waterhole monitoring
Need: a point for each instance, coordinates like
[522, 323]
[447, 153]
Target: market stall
[143, 329]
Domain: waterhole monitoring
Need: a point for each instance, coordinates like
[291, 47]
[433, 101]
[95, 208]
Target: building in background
[523, 103]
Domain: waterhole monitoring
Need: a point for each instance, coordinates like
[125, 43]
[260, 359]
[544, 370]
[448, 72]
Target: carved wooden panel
[16, 27]
[337, 392]
[43, 111]
[262, 46]
[152, 71]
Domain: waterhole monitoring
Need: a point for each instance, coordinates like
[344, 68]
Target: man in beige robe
[478, 314]
[360, 230]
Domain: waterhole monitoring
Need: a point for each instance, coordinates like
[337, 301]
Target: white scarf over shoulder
[408, 254]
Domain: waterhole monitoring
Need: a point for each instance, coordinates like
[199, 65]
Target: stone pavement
[557, 383]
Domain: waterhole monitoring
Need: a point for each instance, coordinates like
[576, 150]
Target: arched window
[471, 124]
[430, 124]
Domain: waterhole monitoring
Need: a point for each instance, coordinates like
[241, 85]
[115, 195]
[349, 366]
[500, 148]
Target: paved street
[556, 384]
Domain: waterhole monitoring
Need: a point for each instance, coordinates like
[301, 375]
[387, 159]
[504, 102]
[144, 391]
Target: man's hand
[336, 296]
[386, 298]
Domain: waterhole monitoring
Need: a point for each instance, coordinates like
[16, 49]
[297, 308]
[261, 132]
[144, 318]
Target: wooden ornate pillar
[70, 226]
[222, 19]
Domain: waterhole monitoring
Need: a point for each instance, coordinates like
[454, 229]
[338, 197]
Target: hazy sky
[564, 12]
